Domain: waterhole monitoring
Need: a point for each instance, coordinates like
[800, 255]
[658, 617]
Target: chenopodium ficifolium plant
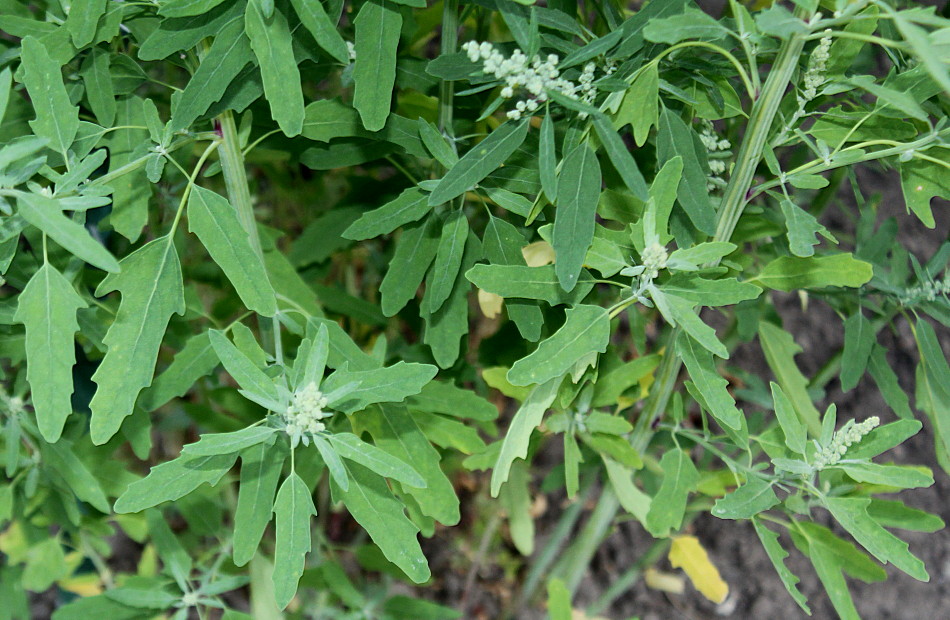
[602, 175]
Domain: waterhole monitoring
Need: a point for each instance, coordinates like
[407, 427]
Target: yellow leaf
[538, 254]
[490, 303]
[688, 554]
[86, 584]
[664, 582]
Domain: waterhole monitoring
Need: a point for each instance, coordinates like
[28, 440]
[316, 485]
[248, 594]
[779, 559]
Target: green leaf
[332, 460]
[640, 106]
[6, 80]
[378, 25]
[63, 460]
[578, 191]
[559, 601]
[788, 273]
[884, 438]
[933, 389]
[382, 385]
[229, 54]
[515, 444]
[780, 350]
[521, 282]
[515, 500]
[151, 287]
[679, 311]
[675, 139]
[445, 327]
[746, 501]
[586, 331]
[351, 447]
[903, 477]
[415, 250]
[273, 45]
[777, 555]
[702, 370]
[315, 19]
[173, 480]
[924, 180]
[691, 24]
[131, 191]
[894, 514]
[397, 432]
[98, 85]
[57, 119]
[445, 398]
[47, 308]
[796, 435]
[373, 506]
[886, 380]
[802, 228]
[851, 513]
[47, 215]
[859, 340]
[196, 359]
[435, 142]
[408, 207]
[620, 157]
[312, 358]
[547, 158]
[669, 504]
[633, 500]
[502, 245]
[187, 8]
[698, 290]
[245, 372]
[293, 509]
[82, 20]
[210, 444]
[448, 260]
[212, 218]
[480, 161]
[610, 386]
[260, 470]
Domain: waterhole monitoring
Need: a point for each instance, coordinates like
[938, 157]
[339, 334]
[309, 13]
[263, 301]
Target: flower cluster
[926, 292]
[303, 415]
[817, 67]
[654, 259]
[536, 76]
[717, 150]
[844, 439]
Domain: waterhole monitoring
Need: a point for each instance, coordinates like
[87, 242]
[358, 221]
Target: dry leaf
[688, 554]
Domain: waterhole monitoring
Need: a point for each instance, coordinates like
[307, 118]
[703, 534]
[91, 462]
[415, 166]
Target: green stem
[626, 581]
[450, 39]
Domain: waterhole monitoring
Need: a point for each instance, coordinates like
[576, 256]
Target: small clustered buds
[351, 50]
[843, 439]
[537, 76]
[717, 149]
[926, 292]
[654, 259]
[303, 415]
[817, 66]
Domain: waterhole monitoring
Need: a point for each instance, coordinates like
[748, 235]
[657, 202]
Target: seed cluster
[926, 292]
[654, 259]
[817, 68]
[844, 439]
[303, 415]
[717, 149]
[535, 76]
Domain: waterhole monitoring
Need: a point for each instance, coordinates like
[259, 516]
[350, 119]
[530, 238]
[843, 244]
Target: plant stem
[450, 39]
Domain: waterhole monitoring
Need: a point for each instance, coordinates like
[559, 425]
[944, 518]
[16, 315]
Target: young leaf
[586, 331]
[260, 470]
[859, 340]
[559, 601]
[515, 444]
[382, 385]
[196, 359]
[448, 260]
[578, 191]
[173, 480]
[47, 308]
[47, 215]
[640, 106]
[445, 327]
[796, 435]
[502, 245]
[60, 457]
[151, 287]
[547, 158]
[210, 444]
[620, 157]
[679, 311]
[669, 504]
[315, 19]
[802, 228]
[777, 555]
[746, 501]
[687, 553]
[293, 509]
[415, 250]
[98, 83]
[373, 506]
[702, 370]
[132, 190]
[244, 371]
[273, 45]
[57, 119]
[333, 462]
[480, 161]
[675, 139]
[780, 349]
[351, 447]
[214, 220]
[408, 207]
[378, 25]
